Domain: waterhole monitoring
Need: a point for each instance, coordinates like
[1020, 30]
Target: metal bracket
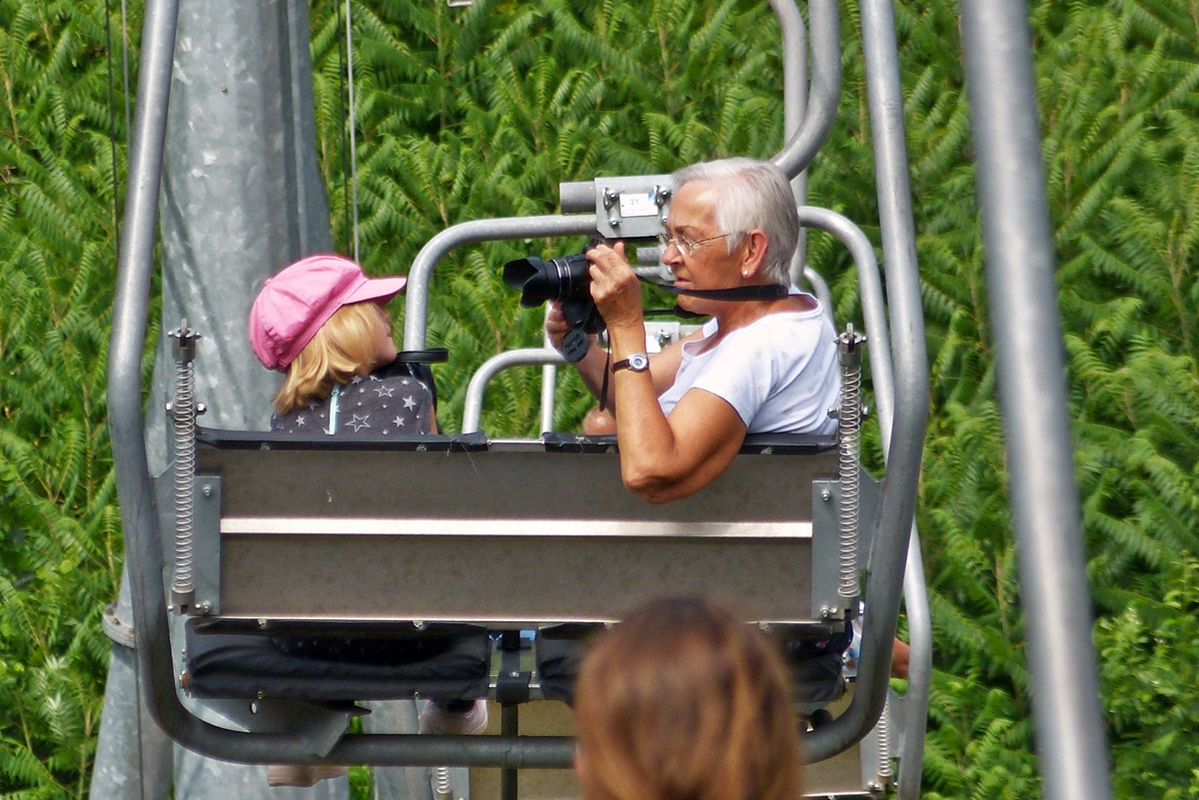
[826, 501]
[206, 553]
[827, 603]
[626, 207]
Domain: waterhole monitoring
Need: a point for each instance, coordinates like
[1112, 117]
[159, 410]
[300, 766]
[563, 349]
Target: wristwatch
[637, 362]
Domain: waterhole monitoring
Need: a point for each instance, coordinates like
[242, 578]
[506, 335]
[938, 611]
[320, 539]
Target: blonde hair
[345, 346]
[684, 701]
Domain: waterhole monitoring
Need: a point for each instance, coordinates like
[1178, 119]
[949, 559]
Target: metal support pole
[801, 147]
[509, 726]
[910, 359]
[795, 106]
[1046, 514]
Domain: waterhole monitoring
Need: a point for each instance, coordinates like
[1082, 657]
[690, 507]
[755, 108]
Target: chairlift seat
[337, 663]
[816, 664]
[458, 535]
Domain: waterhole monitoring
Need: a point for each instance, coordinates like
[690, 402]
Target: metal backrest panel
[502, 537]
[507, 580]
[493, 485]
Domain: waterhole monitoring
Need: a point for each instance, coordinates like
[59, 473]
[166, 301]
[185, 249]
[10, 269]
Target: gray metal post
[880, 48]
[795, 107]
[801, 147]
[1046, 514]
[910, 360]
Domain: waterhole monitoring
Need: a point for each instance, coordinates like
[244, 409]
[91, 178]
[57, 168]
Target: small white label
[637, 204]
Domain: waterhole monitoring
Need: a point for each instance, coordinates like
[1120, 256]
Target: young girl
[684, 700]
[323, 324]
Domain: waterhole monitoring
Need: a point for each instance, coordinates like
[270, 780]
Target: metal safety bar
[531, 356]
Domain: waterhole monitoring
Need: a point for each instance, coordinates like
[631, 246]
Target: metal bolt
[254, 707]
[207, 490]
[201, 408]
[418, 624]
[513, 674]
[205, 607]
[614, 222]
[262, 624]
[825, 612]
[826, 495]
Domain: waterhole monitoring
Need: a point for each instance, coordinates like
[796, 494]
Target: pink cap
[294, 304]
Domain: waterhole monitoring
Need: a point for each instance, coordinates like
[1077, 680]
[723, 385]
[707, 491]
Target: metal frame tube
[825, 91]
[1046, 515]
[416, 308]
[910, 360]
[795, 105]
[526, 357]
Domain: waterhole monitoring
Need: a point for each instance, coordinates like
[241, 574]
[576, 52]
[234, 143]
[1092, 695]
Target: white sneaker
[434, 719]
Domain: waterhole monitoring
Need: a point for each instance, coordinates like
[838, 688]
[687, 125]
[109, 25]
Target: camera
[567, 280]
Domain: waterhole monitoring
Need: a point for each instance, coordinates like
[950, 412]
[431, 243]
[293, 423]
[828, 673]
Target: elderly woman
[758, 366]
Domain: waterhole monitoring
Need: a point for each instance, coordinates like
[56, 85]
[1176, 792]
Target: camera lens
[564, 279]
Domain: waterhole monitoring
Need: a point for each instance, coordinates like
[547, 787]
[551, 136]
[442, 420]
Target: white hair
[751, 194]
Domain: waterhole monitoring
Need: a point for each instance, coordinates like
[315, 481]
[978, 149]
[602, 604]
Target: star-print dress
[387, 402]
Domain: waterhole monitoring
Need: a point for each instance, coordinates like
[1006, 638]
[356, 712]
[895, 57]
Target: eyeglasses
[685, 244]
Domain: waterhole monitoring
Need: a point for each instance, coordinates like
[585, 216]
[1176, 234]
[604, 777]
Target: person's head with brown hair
[684, 701]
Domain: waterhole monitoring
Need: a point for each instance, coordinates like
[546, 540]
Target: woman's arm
[661, 458]
[664, 365]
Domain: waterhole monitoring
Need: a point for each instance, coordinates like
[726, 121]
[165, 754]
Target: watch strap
[629, 363]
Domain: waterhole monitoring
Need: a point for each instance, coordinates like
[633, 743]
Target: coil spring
[441, 783]
[848, 447]
[883, 729]
[183, 413]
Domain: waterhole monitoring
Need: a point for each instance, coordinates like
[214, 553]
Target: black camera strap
[766, 291]
[760, 291]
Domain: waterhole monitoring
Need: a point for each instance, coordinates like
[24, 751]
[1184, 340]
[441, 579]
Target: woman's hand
[556, 326]
[614, 286]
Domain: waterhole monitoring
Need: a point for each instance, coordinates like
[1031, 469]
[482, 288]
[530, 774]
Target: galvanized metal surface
[416, 309]
[1069, 724]
[550, 537]
[532, 356]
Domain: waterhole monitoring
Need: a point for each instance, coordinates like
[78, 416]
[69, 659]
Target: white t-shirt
[780, 372]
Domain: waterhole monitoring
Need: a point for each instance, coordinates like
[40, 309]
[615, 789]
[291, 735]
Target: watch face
[638, 362]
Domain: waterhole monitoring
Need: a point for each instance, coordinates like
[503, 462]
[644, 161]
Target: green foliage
[481, 112]
[1150, 664]
[59, 527]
